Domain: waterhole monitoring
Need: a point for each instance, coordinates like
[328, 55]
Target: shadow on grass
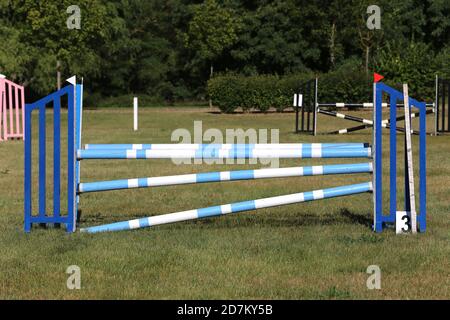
[356, 218]
[246, 220]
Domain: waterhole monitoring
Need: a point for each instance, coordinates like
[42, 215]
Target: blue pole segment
[224, 176]
[232, 208]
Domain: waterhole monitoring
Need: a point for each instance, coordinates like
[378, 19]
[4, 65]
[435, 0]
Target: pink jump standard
[12, 119]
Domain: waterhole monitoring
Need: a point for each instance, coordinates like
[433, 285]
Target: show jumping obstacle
[214, 151]
[442, 105]
[306, 114]
[12, 120]
[369, 123]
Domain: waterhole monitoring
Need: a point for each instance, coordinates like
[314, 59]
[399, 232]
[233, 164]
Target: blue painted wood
[422, 170]
[28, 168]
[56, 157]
[393, 155]
[42, 161]
[43, 217]
[378, 196]
[71, 174]
[380, 218]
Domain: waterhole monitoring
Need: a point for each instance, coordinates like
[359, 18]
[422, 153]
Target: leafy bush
[260, 93]
[443, 63]
[226, 92]
[410, 63]
[348, 83]
[261, 90]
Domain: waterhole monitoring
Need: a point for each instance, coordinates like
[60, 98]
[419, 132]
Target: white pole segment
[135, 111]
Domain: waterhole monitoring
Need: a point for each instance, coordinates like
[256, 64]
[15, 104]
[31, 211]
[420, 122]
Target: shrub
[410, 63]
[226, 92]
[261, 90]
[255, 92]
[348, 83]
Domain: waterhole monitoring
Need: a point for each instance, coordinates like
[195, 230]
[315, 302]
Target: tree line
[168, 49]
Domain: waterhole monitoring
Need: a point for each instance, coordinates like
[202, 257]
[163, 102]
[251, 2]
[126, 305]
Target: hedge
[255, 93]
[259, 93]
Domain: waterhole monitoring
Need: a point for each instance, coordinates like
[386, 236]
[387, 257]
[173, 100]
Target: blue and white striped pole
[184, 146]
[224, 176]
[232, 208]
[212, 153]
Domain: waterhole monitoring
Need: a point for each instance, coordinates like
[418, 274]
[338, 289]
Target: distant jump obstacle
[75, 189]
[442, 124]
[12, 120]
[308, 107]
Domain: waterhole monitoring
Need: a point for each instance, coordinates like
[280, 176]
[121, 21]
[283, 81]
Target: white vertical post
[81, 109]
[409, 160]
[316, 105]
[135, 109]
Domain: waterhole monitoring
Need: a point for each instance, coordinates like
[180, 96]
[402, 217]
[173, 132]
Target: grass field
[316, 250]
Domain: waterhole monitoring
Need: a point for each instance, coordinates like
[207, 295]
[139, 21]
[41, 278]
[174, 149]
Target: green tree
[15, 56]
[141, 56]
[410, 63]
[438, 14]
[42, 27]
[281, 37]
[212, 30]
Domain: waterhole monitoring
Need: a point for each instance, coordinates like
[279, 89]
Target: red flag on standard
[377, 77]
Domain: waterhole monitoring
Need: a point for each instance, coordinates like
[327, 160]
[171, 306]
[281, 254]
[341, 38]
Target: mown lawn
[316, 250]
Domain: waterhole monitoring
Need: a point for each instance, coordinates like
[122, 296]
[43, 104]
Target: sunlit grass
[317, 250]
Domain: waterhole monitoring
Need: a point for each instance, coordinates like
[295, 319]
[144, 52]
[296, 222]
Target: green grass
[316, 250]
